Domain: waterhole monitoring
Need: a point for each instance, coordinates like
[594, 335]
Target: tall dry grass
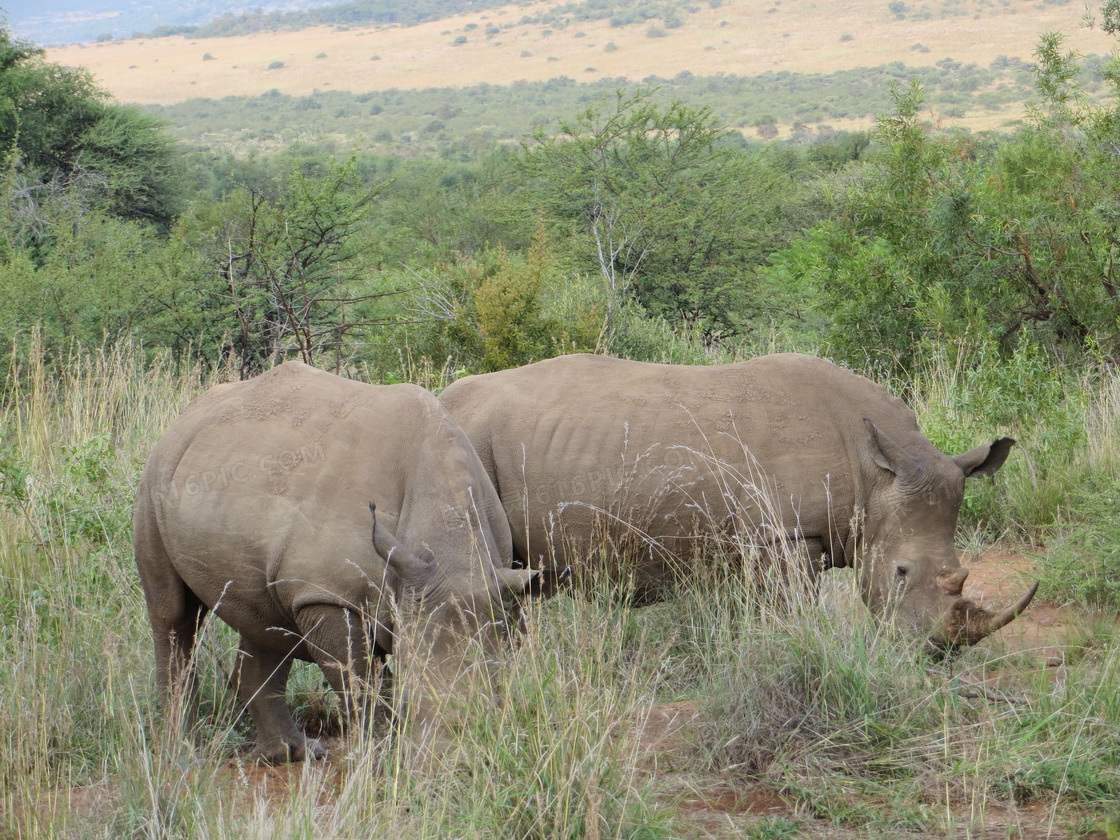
[805, 692]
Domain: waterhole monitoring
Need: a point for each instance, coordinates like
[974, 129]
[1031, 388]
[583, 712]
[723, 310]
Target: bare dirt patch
[998, 579]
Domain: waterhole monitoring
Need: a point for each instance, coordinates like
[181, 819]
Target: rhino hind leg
[176, 616]
[261, 683]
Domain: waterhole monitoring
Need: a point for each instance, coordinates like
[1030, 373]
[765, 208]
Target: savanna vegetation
[975, 275]
[365, 12]
[460, 124]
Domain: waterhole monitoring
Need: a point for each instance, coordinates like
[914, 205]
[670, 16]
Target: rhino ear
[888, 454]
[985, 459]
[405, 565]
[533, 583]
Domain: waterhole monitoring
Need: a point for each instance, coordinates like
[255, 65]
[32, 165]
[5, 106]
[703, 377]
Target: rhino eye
[902, 571]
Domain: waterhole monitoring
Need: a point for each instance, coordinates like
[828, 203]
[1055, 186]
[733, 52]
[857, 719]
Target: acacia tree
[60, 132]
[946, 238]
[282, 261]
[655, 200]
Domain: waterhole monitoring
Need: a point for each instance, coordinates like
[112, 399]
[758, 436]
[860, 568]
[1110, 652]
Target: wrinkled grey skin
[256, 504]
[775, 448]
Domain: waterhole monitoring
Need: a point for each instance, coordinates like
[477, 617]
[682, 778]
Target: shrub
[275, 65]
[1084, 562]
[611, 46]
[207, 57]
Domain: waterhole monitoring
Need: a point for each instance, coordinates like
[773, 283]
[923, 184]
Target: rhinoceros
[780, 448]
[256, 505]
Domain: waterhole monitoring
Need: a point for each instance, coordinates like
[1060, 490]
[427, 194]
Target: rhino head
[910, 571]
[456, 617]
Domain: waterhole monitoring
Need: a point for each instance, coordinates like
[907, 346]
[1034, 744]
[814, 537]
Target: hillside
[52, 22]
[502, 46]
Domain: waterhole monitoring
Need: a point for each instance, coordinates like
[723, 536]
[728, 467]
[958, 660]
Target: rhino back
[260, 491]
[673, 449]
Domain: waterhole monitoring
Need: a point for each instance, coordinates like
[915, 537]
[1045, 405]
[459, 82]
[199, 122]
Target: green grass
[804, 694]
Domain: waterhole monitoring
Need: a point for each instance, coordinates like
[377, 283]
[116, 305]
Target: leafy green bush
[1083, 564]
[969, 393]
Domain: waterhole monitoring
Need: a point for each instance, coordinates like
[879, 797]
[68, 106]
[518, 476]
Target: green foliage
[665, 213]
[139, 162]
[949, 237]
[773, 828]
[970, 392]
[498, 310]
[1084, 562]
[279, 264]
[491, 113]
[90, 276]
[508, 307]
[59, 132]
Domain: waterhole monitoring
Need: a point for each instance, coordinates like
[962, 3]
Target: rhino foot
[304, 749]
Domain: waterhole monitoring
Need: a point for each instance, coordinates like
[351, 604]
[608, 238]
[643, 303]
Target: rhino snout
[965, 622]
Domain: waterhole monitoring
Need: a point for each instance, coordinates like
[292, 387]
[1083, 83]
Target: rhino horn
[951, 581]
[966, 623]
[539, 584]
[518, 581]
[1005, 617]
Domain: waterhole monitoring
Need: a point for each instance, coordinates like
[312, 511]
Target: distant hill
[551, 40]
[58, 22]
[55, 22]
[358, 13]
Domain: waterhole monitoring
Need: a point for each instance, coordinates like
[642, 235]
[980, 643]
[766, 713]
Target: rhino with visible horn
[782, 447]
[256, 504]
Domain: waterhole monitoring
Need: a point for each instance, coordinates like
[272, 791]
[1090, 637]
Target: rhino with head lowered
[256, 505]
[779, 448]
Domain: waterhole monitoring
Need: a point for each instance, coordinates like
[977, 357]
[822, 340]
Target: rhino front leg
[339, 642]
[795, 564]
[261, 685]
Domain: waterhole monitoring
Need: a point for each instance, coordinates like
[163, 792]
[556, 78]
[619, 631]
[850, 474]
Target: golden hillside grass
[744, 37]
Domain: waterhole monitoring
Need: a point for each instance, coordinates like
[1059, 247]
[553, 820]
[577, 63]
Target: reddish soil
[998, 579]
